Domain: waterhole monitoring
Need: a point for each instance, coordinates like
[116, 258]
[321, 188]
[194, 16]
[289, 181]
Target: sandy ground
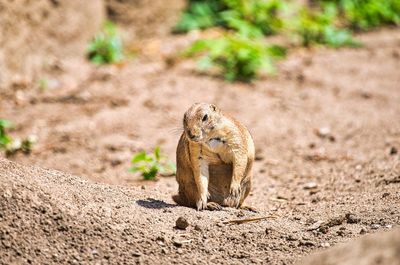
[321, 190]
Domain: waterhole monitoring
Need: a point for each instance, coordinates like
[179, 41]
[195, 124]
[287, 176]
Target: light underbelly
[215, 156]
[220, 171]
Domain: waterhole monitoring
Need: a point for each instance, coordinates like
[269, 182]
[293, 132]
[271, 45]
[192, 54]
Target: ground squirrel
[214, 159]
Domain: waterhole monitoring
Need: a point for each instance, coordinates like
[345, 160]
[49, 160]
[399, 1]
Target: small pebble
[323, 132]
[375, 226]
[352, 219]
[310, 185]
[393, 150]
[240, 214]
[340, 233]
[136, 254]
[181, 223]
[325, 245]
[259, 157]
[177, 243]
[291, 238]
[323, 229]
[306, 243]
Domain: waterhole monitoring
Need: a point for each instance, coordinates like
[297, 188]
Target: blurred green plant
[254, 17]
[5, 139]
[366, 14]
[250, 17]
[27, 144]
[10, 145]
[43, 84]
[313, 27]
[149, 165]
[200, 14]
[240, 56]
[106, 47]
[237, 57]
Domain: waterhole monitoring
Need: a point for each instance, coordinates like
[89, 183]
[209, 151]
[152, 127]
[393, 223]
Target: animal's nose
[191, 135]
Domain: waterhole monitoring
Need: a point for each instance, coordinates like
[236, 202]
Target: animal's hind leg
[245, 192]
[187, 194]
[246, 187]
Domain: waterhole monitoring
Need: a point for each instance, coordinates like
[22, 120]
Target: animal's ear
[214, 108]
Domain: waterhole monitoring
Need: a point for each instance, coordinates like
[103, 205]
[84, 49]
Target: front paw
[233, 200]
[235, 190]
[201, 203]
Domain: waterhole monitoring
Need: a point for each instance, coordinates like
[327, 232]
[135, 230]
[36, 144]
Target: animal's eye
[205, 117]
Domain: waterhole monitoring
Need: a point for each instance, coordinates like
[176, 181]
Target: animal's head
[200, 120]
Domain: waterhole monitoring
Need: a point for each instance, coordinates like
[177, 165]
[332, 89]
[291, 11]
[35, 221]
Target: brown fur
[214, 158]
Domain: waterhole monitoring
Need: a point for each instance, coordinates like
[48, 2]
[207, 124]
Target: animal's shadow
[151, 203]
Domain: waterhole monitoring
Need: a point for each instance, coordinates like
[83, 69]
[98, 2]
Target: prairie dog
[214, 157]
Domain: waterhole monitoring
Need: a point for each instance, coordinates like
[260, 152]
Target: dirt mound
[383, 248]
[47, 216]
[34, 33]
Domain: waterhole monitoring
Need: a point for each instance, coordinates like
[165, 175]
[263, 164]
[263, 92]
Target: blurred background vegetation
[241, 52]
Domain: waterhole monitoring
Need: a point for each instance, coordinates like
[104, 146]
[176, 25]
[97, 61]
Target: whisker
[176, 130]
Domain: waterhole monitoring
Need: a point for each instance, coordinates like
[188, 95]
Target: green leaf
[134, 169]
[149, 175]
[196, 47]
[106, 46]
[150, 165]
[141, 156]
[4, 141]
[5, 123]
[157, 153]
[277, 51]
